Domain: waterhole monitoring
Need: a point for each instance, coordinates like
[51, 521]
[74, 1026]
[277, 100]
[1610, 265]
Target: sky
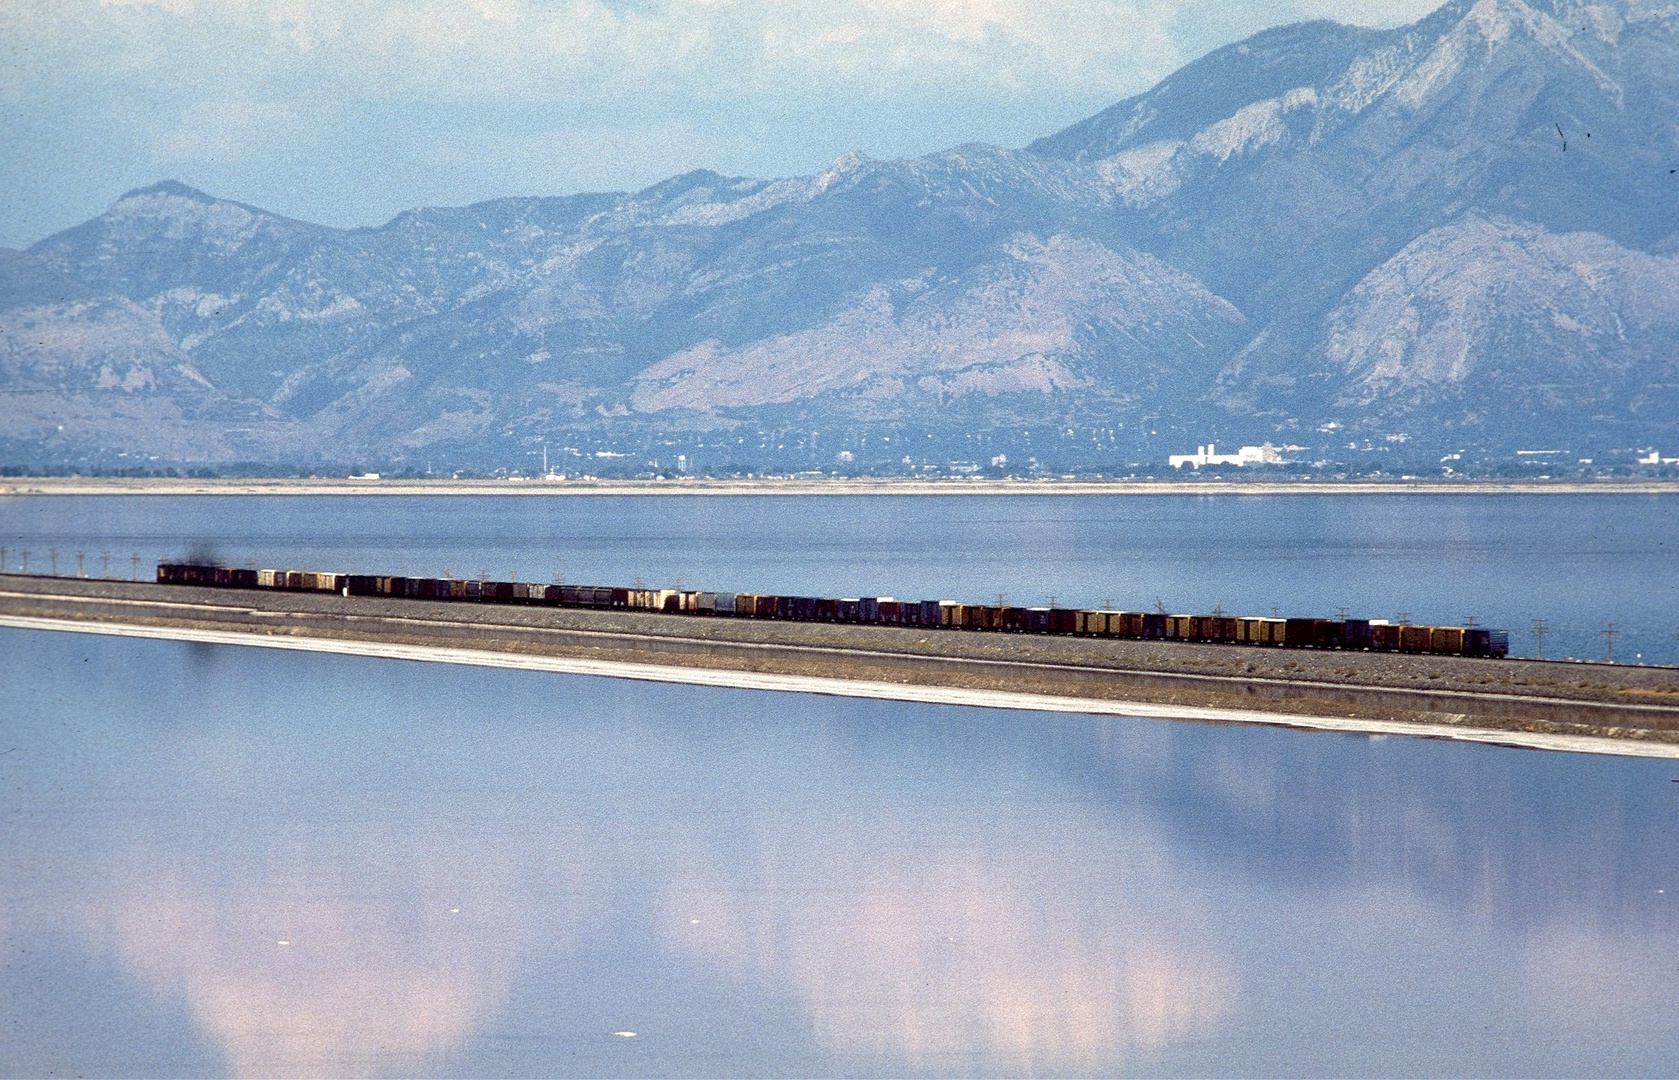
[346, 112]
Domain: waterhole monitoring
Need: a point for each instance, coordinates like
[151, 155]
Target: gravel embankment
[1561, 697]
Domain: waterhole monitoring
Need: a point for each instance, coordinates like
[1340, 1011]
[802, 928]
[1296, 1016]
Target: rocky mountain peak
[1459, 229]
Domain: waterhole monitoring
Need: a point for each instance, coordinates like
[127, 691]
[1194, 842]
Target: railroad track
[928, 659]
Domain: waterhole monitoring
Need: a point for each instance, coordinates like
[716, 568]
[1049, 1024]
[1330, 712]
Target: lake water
[226, 860]
[1578, 562]
[222, 860]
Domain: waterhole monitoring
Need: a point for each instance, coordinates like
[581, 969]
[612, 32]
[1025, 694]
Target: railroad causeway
[1535, 702]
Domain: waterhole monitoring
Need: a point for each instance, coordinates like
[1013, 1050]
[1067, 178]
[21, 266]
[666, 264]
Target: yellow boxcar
[1414, 638]
[1446, 639]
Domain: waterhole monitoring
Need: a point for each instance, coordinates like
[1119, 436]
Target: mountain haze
[1461, 232]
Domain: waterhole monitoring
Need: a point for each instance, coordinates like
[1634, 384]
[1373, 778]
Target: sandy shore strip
[800, 684]
[82, 485]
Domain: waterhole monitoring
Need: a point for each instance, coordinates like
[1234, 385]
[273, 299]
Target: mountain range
[1459, 233]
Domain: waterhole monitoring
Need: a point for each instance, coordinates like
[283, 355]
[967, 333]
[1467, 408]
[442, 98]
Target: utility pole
[1341, 613]
[1404, 618]
[1469, 620]
[26, 560]
[1276, 612]
[1539, 639]
[52, 554]
[1609, 634]
[134, 575]
[104, 564]
[1000, 597]
[79, 560]
[2, 560]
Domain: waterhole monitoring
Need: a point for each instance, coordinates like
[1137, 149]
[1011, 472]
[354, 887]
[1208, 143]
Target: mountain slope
[1459, 229]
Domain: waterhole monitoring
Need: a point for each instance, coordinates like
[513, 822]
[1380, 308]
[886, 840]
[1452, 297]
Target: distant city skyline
[346, 113]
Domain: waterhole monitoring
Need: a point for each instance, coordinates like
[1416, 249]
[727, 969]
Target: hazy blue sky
[347, 111]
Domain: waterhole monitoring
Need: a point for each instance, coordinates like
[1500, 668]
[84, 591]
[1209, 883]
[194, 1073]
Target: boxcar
[868, 608]
[890, 611]
[1328, 633]
[1384, 635]
[848, 609]
[1479, 641]
[1413, 638]
[1446, 639]
[1355, 634]
[1063, 620]
[1300, 633]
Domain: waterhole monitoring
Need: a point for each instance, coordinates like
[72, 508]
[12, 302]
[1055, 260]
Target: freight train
[1365, 634]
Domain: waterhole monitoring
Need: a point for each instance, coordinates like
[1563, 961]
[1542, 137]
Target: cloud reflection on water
[338, 959]
[1047, 941]
[492, 871]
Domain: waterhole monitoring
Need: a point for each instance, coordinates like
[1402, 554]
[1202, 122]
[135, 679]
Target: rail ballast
[1363, 634]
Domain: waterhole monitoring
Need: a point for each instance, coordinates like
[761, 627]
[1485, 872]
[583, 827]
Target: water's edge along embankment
[1599, 708]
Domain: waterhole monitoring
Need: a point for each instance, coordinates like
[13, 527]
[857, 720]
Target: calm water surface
[1577, 562]
[232, 860]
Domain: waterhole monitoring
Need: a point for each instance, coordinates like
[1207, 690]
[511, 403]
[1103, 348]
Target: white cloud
[1365, 12]
[217, 130]
[349, 100]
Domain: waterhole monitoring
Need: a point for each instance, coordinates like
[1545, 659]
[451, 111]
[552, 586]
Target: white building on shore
[1265, 454]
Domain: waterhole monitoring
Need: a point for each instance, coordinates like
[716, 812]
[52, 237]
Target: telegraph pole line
[1609, 635]
[1539, 639]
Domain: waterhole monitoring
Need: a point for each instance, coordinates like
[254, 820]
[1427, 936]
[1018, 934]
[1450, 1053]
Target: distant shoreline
[75, 485]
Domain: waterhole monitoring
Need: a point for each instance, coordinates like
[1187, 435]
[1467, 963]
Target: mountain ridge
[1319, 234]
